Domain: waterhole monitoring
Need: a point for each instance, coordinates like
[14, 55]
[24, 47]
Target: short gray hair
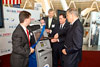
[73, 11]
[50, 10]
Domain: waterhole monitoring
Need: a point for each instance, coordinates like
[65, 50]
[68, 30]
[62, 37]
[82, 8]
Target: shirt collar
[63, 24]
[73, 22]
[24, 28]
[50, 18]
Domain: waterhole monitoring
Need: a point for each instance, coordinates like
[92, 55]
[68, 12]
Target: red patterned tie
[28, 37]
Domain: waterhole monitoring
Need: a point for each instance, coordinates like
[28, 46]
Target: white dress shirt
[50, 21]
[62, 25]
[25, 30]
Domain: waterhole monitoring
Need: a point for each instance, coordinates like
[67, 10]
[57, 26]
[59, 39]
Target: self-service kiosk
[43, 49]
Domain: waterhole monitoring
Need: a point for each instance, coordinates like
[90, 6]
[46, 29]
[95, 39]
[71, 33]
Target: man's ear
[25, 20]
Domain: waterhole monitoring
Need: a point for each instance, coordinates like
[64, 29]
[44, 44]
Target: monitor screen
[37, 35]
[1, 15]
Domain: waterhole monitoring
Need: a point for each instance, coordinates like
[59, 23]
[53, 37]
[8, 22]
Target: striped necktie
[28, 37]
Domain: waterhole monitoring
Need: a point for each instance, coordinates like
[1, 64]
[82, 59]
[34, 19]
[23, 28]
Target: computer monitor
[44, 36]
[37, 35]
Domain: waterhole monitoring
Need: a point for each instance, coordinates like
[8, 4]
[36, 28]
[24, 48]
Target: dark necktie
[71, 26]
[61, 27]
[28, 37]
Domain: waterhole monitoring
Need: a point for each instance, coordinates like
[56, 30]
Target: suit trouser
[70, 65]
[19, 62]
[57, 54]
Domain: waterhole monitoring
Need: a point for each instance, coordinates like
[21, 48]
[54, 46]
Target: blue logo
[6, 18]
[47, 65]
[12, 26]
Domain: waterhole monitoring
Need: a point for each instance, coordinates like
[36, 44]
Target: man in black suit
[59, 42]
[72, 51]
[50, 22]
[21, 42]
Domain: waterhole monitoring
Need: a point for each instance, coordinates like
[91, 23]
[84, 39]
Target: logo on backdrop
[6, 19]
[9, 41]
[9, 19]
[5, 34]
[5, 50]
[32, 19]
[12, 26]
[13, 11]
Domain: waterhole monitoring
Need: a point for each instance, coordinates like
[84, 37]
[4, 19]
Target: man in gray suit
[21, 42]
[50, 22]
[72, 51]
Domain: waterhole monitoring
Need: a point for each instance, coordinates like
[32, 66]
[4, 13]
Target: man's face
[69, 17]
[51, 14]
[62, 19]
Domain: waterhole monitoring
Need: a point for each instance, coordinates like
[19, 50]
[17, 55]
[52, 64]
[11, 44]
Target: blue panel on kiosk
[32, 60]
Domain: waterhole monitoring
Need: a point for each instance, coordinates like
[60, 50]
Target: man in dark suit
[72, 50]
[59, 42]
[50, 22]
[21, 42]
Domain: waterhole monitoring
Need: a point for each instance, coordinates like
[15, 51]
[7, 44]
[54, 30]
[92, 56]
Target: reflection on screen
[37, 35]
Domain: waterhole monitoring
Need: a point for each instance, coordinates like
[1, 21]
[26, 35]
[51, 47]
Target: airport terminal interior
[89, 15]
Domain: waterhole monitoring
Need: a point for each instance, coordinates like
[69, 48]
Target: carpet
[89, 59]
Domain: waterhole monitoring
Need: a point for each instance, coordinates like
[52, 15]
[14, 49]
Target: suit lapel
[47, 22]
[75, 23]
[64, 25]
[23, 32]
[73, 26]
[52, 22]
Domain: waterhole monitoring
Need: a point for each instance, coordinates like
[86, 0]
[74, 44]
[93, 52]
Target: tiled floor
[94, 48]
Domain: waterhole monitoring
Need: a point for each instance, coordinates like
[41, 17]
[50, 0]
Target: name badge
[31, 34]
[53, 25]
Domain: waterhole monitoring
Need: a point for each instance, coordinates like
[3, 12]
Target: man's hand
[56, 36]
[54, 40]
[31, 50]
[47, 30]
[64, 52]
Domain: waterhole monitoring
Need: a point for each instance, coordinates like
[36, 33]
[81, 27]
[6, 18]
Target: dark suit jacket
[73, 43]
[20, 46]
[62, 34]
[53, 24]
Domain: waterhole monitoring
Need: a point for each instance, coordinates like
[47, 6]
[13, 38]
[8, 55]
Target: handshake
[55, 39]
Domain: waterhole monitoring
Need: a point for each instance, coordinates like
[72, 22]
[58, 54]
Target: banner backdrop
[11, 20]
